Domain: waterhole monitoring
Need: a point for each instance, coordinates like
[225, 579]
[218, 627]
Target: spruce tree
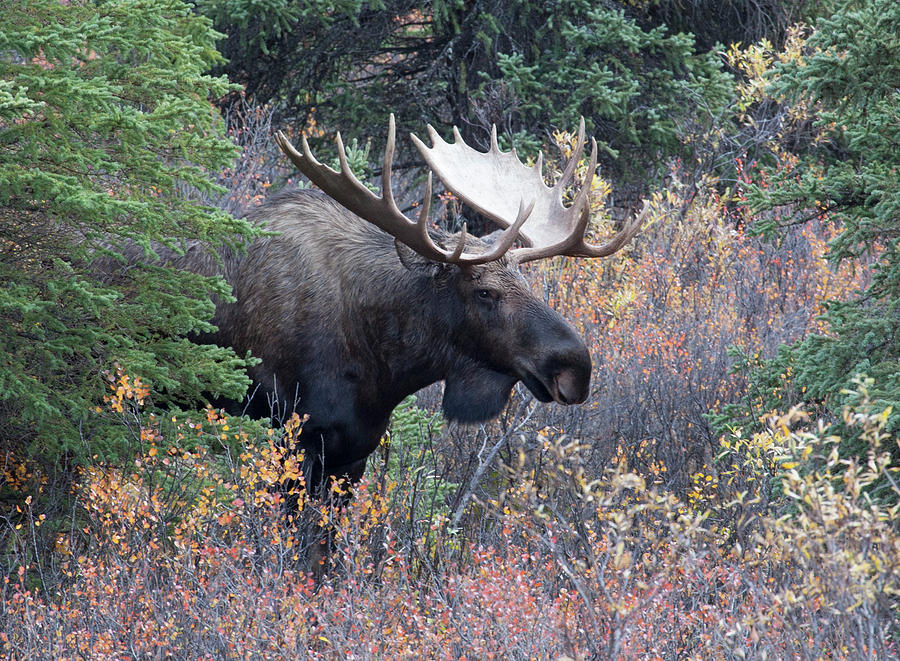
[850, 81]
[526, 66]
[107, 140]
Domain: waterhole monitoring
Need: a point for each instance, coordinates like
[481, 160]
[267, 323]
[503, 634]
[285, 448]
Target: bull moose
[351, 306]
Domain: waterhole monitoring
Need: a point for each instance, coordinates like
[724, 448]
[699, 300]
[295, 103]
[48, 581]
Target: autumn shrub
[411, 456]
[830, 546]
[817, 578]
[193, 556]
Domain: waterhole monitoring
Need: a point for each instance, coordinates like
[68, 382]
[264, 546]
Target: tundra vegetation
[729, 489]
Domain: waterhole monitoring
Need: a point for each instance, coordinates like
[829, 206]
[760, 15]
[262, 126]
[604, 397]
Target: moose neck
[409, 339]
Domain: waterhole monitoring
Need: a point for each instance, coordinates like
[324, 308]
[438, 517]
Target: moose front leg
[328, 490]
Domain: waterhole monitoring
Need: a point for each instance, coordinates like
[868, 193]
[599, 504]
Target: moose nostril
[570, 388]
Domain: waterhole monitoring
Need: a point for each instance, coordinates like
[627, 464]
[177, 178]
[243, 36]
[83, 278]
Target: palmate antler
[497, 184]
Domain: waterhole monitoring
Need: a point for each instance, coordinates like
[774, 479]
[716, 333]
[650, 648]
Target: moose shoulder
[350, 306]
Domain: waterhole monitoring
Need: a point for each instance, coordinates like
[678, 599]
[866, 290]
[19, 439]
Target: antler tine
[342, 159]
[424, 214]
[569, 171]
[621, 238]
[459, 246]
[387, 191]
[510, 233]
[583, 199]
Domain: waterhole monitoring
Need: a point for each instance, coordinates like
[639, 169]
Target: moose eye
[485, 295]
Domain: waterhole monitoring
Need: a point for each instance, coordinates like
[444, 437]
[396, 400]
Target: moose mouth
[562, 388]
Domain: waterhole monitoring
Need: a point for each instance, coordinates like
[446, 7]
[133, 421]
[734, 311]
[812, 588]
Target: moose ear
[415, 262]
[491, 238]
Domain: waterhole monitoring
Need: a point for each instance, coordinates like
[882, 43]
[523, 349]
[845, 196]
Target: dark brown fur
[347, 324]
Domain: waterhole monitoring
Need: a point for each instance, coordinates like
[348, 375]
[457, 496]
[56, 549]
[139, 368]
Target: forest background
[729, 490]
